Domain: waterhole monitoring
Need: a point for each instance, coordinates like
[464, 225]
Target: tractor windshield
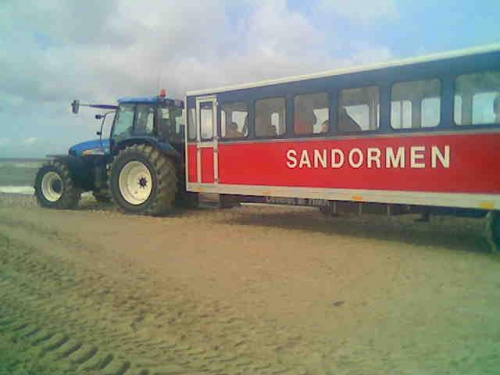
[148, 120]
[123, 122]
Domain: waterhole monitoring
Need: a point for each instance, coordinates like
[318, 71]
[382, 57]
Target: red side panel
[192, 163]
[207, 165]
[465, 163]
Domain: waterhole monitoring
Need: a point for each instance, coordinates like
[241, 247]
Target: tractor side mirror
[75, 106]
[99, 117]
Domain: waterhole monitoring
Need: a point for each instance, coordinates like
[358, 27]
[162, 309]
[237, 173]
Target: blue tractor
[140, 167]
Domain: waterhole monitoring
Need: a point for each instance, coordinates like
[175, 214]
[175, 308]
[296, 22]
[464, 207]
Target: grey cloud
[58, 50]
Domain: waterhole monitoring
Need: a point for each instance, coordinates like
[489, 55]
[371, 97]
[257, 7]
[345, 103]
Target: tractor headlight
[93, 151]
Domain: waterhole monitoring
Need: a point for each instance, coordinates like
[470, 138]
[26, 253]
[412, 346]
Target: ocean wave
[29, 165]
[27, 190]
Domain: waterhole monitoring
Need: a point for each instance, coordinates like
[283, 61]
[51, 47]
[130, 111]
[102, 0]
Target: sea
[17, 176]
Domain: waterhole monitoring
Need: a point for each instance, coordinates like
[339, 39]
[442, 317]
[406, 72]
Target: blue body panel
[152, 100]
[96, 144]
[140, 99]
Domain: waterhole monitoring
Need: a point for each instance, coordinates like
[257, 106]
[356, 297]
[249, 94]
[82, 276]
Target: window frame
[155, 120]
[116, 118]
[329, 107]
[173, 134]
[219, 109]
[214, 126]
[277, 136]
[193, 118]
[441, 101]
[379, 86]
[454, 79]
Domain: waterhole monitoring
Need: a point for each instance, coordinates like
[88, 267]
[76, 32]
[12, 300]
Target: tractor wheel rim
[52, 186]
[135, 182]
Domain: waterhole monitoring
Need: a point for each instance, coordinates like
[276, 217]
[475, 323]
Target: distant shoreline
[22, 190]
[22, 159]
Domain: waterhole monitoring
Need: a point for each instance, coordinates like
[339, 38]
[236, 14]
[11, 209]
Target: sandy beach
[250, 290]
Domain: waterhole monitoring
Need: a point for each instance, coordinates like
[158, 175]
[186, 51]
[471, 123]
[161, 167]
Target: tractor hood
[95, 147]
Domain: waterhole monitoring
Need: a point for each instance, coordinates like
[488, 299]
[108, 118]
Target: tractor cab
[155, 118]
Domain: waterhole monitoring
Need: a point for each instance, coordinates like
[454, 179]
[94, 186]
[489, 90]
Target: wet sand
[250, 290]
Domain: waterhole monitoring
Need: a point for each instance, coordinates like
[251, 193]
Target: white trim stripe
[402, 62]
[461, 200]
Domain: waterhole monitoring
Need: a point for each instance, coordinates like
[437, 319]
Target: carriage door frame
[207, 149]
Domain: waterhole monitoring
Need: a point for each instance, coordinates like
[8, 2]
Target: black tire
[66, 194]
[163, 180]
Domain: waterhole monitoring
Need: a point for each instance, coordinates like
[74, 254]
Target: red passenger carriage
[420, 135]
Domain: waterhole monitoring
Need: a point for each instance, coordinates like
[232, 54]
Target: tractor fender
[165, 147]
[81, 168]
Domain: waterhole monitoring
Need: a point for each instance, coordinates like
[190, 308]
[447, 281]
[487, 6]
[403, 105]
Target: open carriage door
[207, 149]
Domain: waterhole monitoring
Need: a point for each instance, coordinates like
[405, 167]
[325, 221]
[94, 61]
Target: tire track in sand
[116, 341]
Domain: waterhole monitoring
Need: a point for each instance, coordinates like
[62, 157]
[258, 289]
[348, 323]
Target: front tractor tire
[54, 187]
[143, 181]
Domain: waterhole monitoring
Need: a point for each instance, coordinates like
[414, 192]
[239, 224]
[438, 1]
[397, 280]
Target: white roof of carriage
[363, 68]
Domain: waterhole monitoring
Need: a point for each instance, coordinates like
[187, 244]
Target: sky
[54, 51]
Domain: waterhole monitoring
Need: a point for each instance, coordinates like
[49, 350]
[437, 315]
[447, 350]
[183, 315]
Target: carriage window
[477, 99]
[191, 124]
[401, 114]
[270, 117]
[234, 120]
[431, 112]
[311, 114]
[416, 104]
[206, 120]
[359, 109]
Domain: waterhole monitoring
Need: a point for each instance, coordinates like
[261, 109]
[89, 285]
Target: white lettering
[304, 160]
[443, 159]
[351, 158]
[373, 156]
[395, 161]
[414, 157]
[320, 157]
[334, 153]
[417, 153]
[291, 158]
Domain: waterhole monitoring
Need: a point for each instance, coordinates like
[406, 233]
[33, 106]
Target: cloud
[30, 141]
[100, 51]
[4, 141]
[360, 11]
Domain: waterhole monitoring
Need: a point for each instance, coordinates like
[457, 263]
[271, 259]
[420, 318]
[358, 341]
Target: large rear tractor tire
[54, 187]
[143, 181]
